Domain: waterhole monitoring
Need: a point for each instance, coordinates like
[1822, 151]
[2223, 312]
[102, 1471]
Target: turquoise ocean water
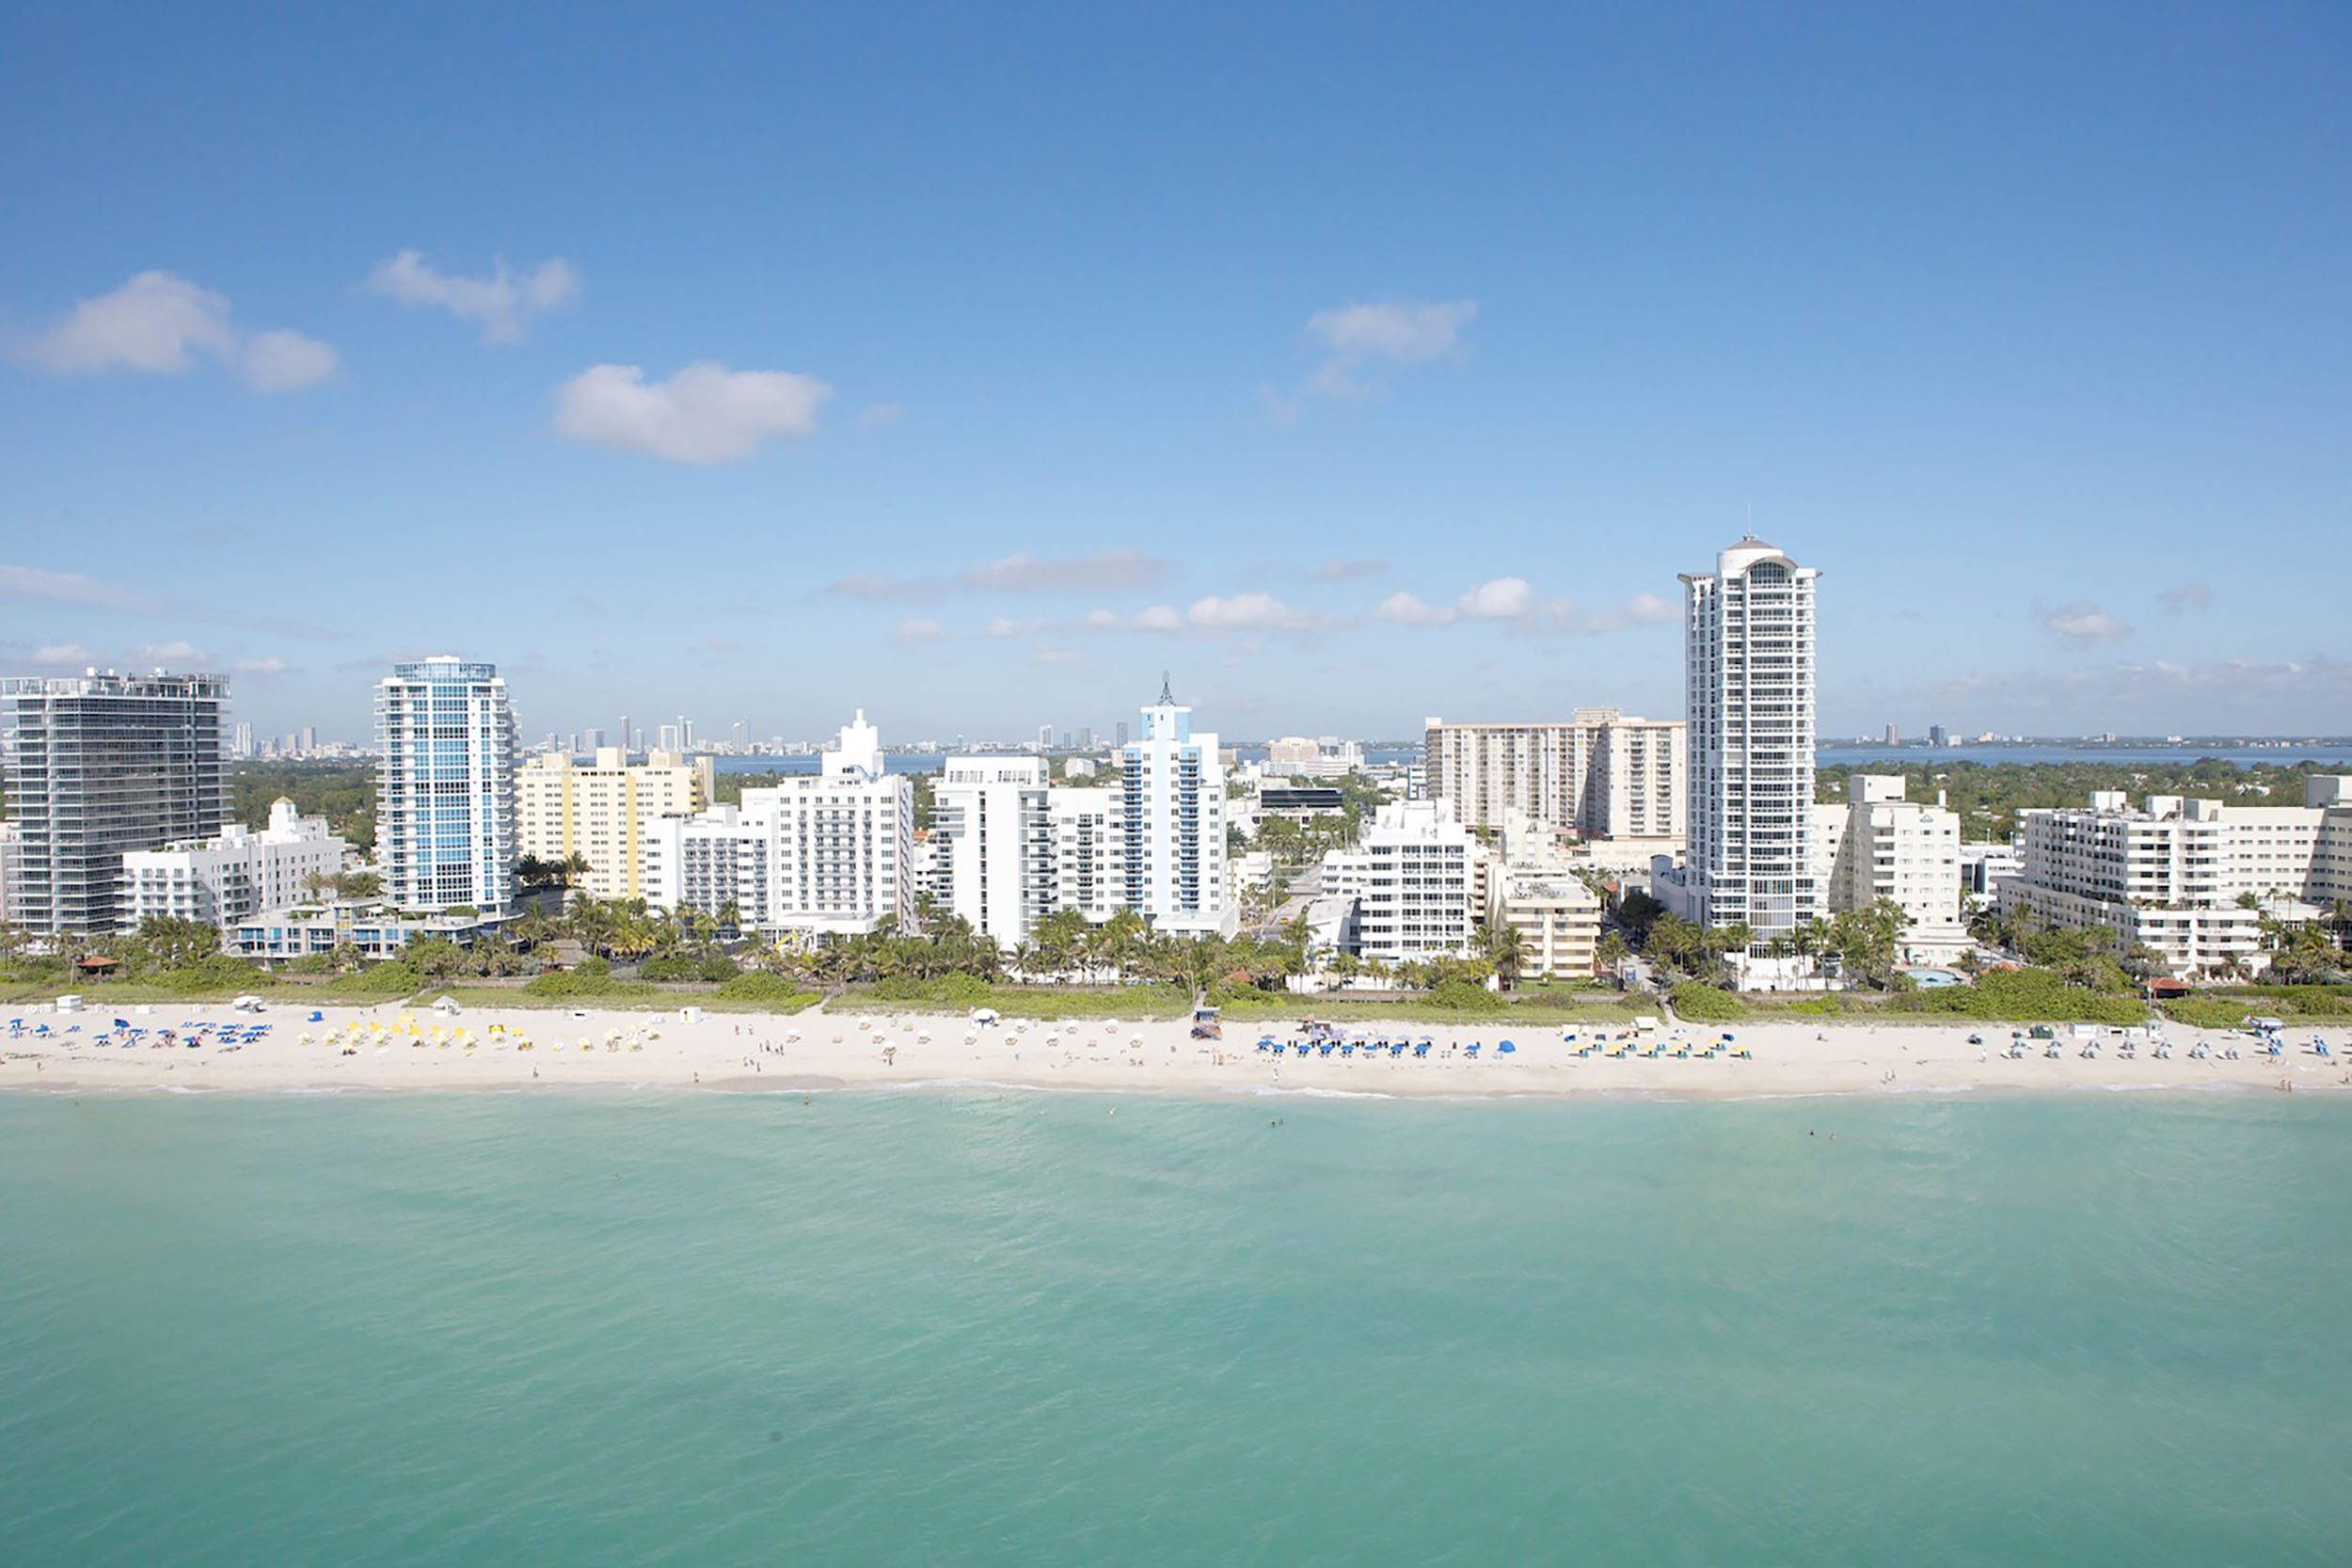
[959, 1328]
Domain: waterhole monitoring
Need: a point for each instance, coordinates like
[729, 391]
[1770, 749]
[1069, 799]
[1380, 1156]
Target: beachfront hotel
[1172, 822]
[600, 811]
[98, 766]
[1010, 847]
[1412, 874]
[1614, 781]
[235, 874]
[828, 855]
[1880, 846]
[1748, 667]
[445, 787]
[2171, 874]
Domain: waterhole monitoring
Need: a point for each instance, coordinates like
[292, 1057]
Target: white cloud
[880, 416]
[1024, 573]
[272, 665]
[706, 413]
[1252, 610]
[285, 361]
[1514, 603]
[1159, 617]
[65, 654]
[2188, 595]
[178, 652]
[1406, 609]
[1341, 570]
[914, 629]
[1048, 655]
[2080, 624]
[1406, 331]
[503, 303]
[1359, 338]
[1502, 599]
[31, 582]
[158, 325]
[1003, 626]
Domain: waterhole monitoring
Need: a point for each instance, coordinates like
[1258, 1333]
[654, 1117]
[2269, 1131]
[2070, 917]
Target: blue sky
[974, 365]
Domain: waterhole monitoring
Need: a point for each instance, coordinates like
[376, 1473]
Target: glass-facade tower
[96, 767]
[445, 787]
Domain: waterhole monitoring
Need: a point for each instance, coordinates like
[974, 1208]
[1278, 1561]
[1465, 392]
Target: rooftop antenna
[1168, 697]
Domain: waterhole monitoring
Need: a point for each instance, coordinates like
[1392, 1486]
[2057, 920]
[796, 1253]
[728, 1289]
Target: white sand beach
[403, 1046]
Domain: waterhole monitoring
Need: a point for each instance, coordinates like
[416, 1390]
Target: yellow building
[601, 811]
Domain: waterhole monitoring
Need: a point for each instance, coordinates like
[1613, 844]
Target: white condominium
[1881, 846]
[1013, 848]
[1748, 662]
[2169, 876]
[1413, 878]
[223, 879]
[831, 855]
[989, 832]
[1172, 822]
[1599, 775]
[600, 812]
[7, 864]
[445, 787]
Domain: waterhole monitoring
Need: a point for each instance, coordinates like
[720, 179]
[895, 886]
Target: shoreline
[395, 1048]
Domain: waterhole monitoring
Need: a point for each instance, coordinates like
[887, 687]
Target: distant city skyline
[976, 369]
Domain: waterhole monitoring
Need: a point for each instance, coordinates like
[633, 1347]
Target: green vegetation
[2227, 1009]
[579, 985]
[342, 792]
[1988, 796]
[772, 991]
[1707, 1003]
[2025, 996]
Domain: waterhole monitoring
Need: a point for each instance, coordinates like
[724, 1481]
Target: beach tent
[1644, 1024]
[984, 1015]
[445, 1005]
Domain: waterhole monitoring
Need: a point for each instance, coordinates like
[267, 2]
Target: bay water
[965, 1327]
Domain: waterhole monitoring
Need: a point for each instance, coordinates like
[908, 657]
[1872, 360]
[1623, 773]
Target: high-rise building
[1010, 847]
[1604, 777]
[1412, 878]
[1172, 817]
[242, 746]
[988, 825]
[601, 811]
[1122, 735]
[2175, 875]
[98, 766]
[1044, 739]
[1748, 665]
[1880, 846]
[234, 875]
[445, 787]
[831, 855]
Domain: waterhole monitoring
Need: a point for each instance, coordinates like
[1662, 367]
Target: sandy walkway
[395, 1047]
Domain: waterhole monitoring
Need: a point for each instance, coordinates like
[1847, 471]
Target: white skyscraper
[829, 855]
[1748, 661]
[989, 824]
[445, 787]
[1173, 816]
